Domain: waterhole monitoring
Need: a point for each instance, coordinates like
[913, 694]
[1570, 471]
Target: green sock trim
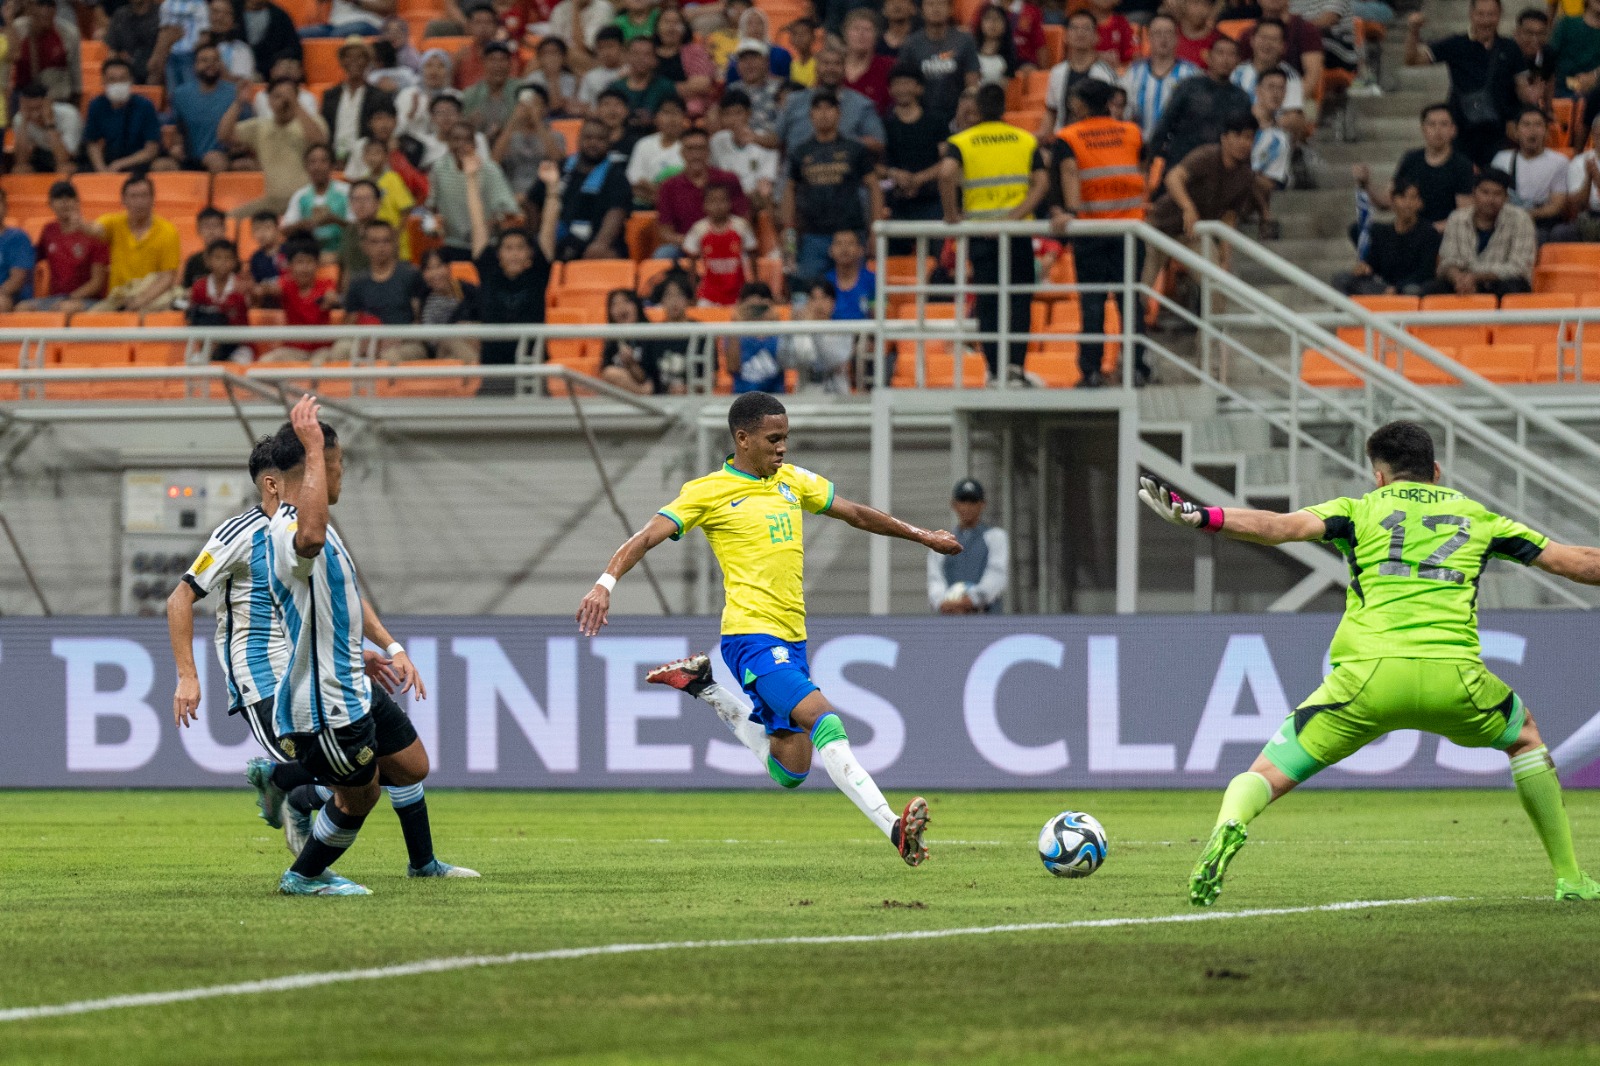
[1247, 796]
[783, 775]
[827, 729]
[1540, 792]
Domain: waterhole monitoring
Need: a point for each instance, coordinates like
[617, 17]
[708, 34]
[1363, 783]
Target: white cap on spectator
[750, 44]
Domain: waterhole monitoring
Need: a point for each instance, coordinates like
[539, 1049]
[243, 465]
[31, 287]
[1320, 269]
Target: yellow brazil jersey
[754, 528]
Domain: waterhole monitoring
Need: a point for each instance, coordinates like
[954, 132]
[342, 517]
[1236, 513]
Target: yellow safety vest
[996, 165]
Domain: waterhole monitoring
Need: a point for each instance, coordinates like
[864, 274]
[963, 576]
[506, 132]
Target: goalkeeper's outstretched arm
[1239, 523]
[1571, 561]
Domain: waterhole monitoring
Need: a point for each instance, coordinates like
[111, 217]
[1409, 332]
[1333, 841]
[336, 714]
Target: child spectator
[222, 298]
[854, 286]
[802, 39]
[306, 300]
[1116, 43]
[723, 243]
[213, 226]
[448, 300]
[267, 261]
[79, 260]
[753, 361]
[394, 195]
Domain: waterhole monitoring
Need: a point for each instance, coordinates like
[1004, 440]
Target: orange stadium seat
[1584, 358]
[235, 188]
[1454, 336]
[639, 234]
[1547, 333]
[105, 188]
[1579, 279]
[322, 58]
[1318, 370]
[1506, 364]
[568, 128]
[940, 365]
[598, 275]
[438, 387]
[304, 12]
[1055, 44]
[465, 271]
[1382, 304]
[1421, 372]
[1238, 29]
[1564, 253]
[182, 192]
[451, 45]
[11, 354]
[25, 189]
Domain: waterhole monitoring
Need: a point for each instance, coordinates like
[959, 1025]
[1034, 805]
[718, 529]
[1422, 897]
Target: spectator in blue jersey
[853, 284]
[1269, 157]
[753, 361]
[1150, 82]
[973, 582]
[16, 263]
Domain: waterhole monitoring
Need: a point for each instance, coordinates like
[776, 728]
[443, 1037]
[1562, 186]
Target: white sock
[736, 716]
[853, 780]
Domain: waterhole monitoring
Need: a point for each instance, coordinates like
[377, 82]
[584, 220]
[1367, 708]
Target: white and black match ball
[1072, 844]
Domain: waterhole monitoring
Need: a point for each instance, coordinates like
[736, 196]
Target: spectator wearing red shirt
[723, 243]
[1027, 30]
[306, 300]
[680, 202]
[866, 69]
[79, 260]
[1117, 45]
[222, 298]
[38, 52]
[1197, 30]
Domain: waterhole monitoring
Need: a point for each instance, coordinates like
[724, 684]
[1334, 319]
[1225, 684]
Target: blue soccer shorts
[773, 673]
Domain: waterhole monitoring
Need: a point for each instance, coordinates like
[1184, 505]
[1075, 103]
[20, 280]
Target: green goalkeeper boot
[1584, 887]
[1205, 883]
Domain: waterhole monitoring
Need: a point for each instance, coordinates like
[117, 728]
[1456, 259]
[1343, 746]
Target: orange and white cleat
[690, 675]
[908, 830]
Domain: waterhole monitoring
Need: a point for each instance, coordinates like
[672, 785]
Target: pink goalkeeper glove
[1177, 510]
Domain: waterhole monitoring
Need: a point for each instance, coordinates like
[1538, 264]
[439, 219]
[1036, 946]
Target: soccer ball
[1072, 844]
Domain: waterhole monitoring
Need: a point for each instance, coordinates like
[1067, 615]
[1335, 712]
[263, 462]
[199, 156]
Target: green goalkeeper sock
[1247, 796]
[1540, 792]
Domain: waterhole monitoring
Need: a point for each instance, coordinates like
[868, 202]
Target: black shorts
[263, 723]
[346, 755]
[394, 728]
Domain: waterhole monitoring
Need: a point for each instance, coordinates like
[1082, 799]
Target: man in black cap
[974, 581]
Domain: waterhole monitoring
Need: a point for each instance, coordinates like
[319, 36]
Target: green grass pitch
[110, 893]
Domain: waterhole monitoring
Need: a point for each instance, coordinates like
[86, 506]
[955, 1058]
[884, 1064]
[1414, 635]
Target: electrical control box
[166, 517]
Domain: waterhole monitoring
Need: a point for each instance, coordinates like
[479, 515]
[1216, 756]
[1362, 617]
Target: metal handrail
[1380, 325]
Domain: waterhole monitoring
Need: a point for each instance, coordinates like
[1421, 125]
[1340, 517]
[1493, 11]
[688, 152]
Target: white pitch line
[467, 962]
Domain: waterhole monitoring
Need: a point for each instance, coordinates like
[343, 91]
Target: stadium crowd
[400, 161]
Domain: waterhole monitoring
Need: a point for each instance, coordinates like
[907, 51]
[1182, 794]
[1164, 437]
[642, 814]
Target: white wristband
[394, 649]
[606, 581]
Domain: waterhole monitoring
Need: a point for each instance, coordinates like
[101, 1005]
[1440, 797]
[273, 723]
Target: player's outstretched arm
[1571, 561]
[873, 520]
[312, 506]
[596, 605]
[180, 629]
[1239, 523]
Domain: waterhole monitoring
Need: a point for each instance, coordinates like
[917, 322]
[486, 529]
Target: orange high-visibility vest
[1107, 153]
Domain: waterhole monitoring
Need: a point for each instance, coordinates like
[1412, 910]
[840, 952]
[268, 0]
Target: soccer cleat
[296, 829]
[906, 835]
[269, 797]
[326, 883]
[441, 869]
[1584, 888]
[1205, 883]
[690, 675]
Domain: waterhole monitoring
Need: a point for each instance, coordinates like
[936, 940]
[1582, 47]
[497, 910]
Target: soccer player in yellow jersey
[751, 513]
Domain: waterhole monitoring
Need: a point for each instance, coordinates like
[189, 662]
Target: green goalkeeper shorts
[1460, 700]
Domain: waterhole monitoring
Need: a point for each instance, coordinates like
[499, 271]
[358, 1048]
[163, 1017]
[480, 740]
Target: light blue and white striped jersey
[1148, 94]
[251, 645]
[1269, 155]
[1246, 77]
[320, 604]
